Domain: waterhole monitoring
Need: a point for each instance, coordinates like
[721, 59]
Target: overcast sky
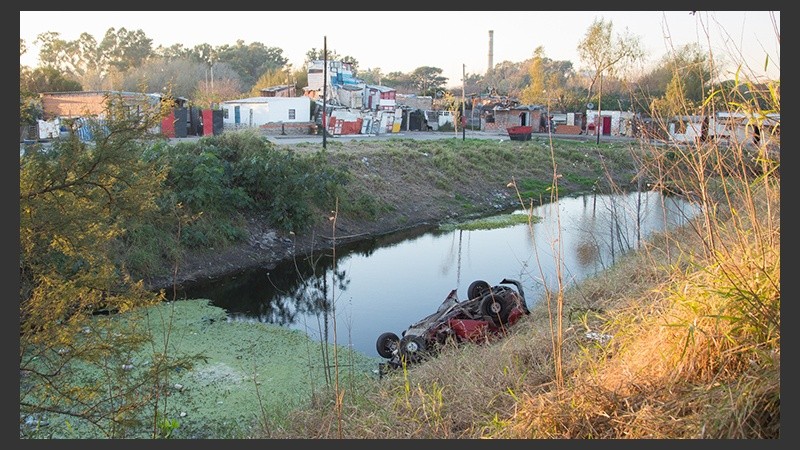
[454, 41]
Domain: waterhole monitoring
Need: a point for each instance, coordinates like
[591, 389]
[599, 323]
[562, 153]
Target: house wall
[71, 105]
[620, 122]
[506, 118]
[728, 127]
[316, 72]
[264, 110]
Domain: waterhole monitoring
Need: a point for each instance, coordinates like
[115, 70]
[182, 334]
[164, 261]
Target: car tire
[496, 308]
[412, 348]
[386, 344]
[477, 289]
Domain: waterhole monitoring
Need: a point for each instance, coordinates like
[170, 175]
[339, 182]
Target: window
[292, 113]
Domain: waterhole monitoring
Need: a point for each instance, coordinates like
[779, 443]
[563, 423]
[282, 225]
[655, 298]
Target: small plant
[166, 427]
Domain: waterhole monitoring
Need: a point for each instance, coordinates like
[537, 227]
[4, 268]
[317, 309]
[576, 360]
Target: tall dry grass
[677, 340]
[691, 347]
[696, 355]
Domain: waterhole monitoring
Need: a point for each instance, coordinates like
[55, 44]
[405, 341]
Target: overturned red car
[487, 309]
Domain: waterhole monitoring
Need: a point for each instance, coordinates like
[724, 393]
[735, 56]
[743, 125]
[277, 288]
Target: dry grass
[680, 339]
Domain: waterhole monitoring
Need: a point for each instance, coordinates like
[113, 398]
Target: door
[237, 115]
[181, 122]
[606, 125]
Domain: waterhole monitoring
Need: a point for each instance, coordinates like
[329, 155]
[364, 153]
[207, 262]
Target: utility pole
[599, 116]
[324, 90]
[463, 103]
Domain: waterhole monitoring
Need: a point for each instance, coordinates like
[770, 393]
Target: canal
[389, 282]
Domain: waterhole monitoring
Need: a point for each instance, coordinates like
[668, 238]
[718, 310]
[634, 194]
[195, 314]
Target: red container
[520, 133]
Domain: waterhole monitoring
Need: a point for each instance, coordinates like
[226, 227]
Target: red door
[606, 126]
[168, 125]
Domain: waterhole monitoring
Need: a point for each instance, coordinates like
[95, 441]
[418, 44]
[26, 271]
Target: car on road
[487, 310]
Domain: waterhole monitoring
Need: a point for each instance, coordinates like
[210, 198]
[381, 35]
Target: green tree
[251, 61]
[535, 92]
[549, 83]
[606, 53]
[269, 79]
[428, 80]
[472, 83]
[123, 49]
[95, 66]
[29, 106]
[652, 85]
[403, 83]
[372, 76]
[206, 54]
[507, 78]
[223, 89]
[76, 58]
[317, 55]
[47, 79]
[173, 51]
[689, 84]
[77, 201]
[300, 78]
[182, 77]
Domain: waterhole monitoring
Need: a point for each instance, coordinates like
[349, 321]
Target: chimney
[491, 49]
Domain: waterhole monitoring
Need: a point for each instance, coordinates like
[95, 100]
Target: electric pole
[599, 116]
[463, 103]
[324, 90]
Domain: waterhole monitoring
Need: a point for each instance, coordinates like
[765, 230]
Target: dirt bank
[403, 176]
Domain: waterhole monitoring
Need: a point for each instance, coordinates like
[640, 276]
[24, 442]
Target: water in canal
[388, 283]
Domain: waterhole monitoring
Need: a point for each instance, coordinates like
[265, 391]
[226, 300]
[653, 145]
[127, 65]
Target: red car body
[487, 310]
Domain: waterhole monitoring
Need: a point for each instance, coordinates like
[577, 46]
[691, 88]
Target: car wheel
[412, 348]
[387, 343]
[477, 289]
[496, 307]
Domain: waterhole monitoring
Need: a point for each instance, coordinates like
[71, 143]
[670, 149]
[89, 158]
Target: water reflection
[387, 283]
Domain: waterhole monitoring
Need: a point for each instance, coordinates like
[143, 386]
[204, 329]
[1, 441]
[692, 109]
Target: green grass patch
[534, 188]
[580, 180]
[489, 223]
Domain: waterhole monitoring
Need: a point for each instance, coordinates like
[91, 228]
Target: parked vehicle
[487, 310]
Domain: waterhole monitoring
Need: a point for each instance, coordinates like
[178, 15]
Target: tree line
[127, 60]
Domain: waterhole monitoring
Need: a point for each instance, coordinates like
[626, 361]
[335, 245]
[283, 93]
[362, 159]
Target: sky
[455, 41]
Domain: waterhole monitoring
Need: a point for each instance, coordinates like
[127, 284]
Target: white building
[731, 127]
[258, 111]
[612, 123]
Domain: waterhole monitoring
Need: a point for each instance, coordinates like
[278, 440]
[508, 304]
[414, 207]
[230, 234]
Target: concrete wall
[257, 111]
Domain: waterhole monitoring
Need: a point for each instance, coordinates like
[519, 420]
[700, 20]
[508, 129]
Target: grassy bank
[679, 340]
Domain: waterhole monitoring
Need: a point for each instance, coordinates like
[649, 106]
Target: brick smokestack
[491, 49]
